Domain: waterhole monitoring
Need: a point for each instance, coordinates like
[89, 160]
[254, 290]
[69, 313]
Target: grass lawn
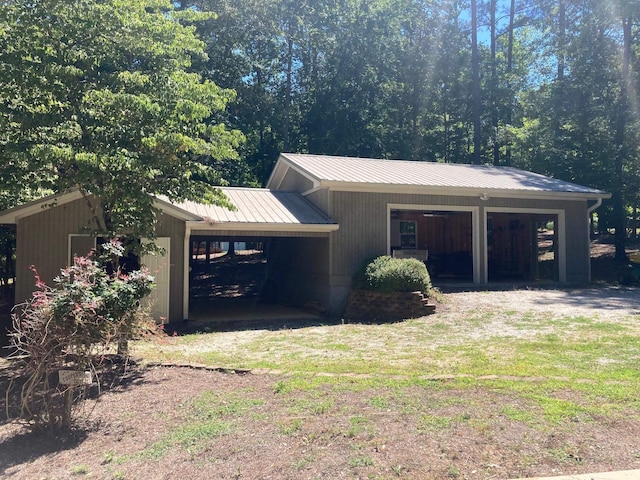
[486, 389]
[561, 367]
[504, 343]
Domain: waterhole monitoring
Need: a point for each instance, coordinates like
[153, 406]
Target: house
[322, 216]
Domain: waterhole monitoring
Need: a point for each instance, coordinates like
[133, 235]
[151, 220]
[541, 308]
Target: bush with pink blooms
[86, 315]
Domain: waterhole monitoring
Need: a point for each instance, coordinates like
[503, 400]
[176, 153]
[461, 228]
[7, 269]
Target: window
[408, 234]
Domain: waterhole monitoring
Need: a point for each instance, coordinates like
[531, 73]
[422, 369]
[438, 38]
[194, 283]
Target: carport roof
[257, 209]
[369, 174]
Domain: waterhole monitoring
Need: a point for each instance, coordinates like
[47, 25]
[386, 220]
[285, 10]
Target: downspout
[595, 205]
[186, 273]
[589, 211]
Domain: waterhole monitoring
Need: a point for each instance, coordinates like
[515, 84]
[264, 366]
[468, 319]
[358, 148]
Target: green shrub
[388, 274]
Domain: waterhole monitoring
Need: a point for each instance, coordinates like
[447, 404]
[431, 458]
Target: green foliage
[102, 96]
[70, 326]
[388, 274]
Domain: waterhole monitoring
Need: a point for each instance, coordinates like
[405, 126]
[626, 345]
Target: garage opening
[227, 269]
[442, 239]
[522, 247]
[237, 279]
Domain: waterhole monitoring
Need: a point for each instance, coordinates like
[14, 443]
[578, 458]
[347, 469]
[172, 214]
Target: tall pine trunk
[475, 85]
[619, 213]
[494, 84]
[512, 14]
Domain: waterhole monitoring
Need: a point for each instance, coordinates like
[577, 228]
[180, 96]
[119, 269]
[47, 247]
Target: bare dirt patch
[334, 433]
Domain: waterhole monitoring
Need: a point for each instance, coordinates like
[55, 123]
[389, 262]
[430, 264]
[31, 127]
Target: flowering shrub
[83, 316]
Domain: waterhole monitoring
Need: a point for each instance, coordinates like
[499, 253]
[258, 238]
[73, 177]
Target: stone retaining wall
[366, 305]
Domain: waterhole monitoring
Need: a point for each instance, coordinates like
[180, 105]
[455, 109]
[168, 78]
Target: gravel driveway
[605, 302]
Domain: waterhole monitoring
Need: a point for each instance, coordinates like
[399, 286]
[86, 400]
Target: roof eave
[280, 171]
[12, 215]
[460, 191]
[174, 211]
[265, 227]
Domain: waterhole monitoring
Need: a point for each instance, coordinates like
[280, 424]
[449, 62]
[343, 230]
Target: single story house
[323, 216]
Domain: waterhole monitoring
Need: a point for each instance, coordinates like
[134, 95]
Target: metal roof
[260, 208]
[332, 171]
[257, 209]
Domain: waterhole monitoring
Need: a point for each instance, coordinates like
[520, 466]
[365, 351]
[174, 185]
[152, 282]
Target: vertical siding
[578, 242]
[295, 182]
[320, 198]
[42, 241]
[363, 225]
[174, 228]
[363, 230]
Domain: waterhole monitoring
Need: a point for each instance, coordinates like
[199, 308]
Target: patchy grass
[206, 417]
[506, 393]
[529, 346]
[533, 355]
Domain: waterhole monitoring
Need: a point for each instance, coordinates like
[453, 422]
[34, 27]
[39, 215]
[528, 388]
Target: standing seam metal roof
[352, 170]
[259, 206]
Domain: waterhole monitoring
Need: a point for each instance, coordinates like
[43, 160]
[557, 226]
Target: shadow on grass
[207, 326]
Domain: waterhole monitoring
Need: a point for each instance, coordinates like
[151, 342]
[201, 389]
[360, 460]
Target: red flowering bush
[72, 325]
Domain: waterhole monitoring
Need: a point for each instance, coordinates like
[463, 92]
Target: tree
[101, 96]
[475, 86]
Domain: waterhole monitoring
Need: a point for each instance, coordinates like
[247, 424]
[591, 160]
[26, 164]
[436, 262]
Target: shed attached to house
[325, 215]
[50, 231]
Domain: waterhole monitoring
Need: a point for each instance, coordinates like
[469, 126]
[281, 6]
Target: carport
[294, 231]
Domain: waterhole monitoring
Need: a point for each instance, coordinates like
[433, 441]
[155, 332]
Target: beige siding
[363, 230]
[578, 244]
[295, 182]
[363, 225]
[320, 198]
[576, 230]
[174, 228]
[298, 267]
[43, 241]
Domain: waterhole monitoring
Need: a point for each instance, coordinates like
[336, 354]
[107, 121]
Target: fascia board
[263, 227]
[459, 191]
[278, 173]
[12, 215]
[289, 164]
[174, 211]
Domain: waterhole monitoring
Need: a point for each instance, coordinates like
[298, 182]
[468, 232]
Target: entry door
[159, 267]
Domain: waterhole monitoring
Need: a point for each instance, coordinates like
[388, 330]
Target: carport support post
[186, 273]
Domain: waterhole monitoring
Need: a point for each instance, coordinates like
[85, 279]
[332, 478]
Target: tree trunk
[512, 14]
[494, 83]
[560, 55]
[287, 94]
[619, 213]
[475, 85]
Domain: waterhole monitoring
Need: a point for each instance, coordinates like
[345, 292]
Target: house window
[408, 234]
